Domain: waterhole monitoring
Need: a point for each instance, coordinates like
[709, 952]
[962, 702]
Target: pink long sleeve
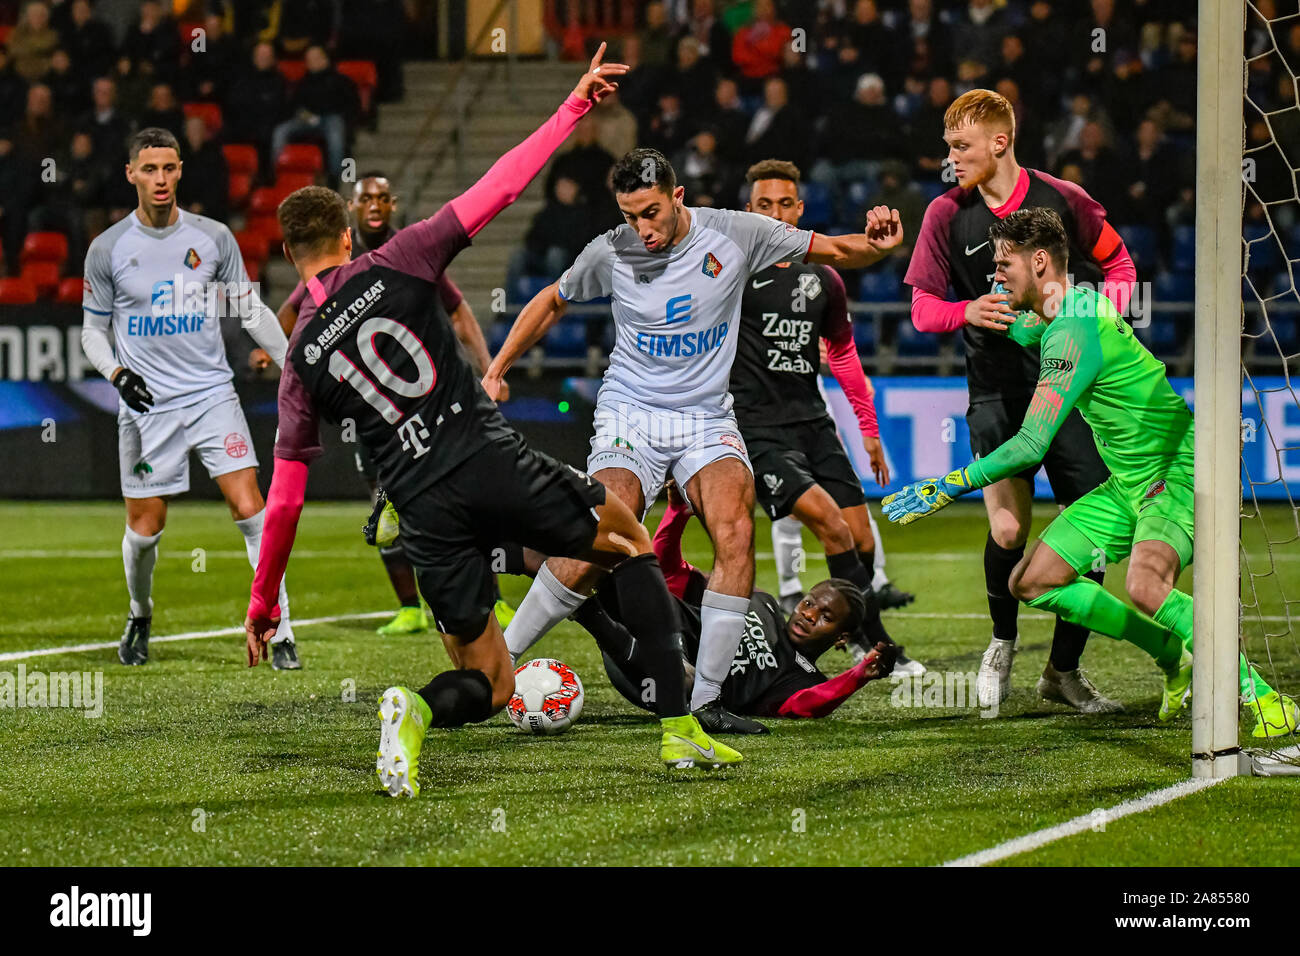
[668, 548]
[842, 357]
[511, 174]
[932, 314]
[822, 699]
[1119, 276]
[283, 507]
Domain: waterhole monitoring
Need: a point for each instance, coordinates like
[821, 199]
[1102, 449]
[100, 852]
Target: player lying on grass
[370, 346]
[774, 672]
[1143, 430]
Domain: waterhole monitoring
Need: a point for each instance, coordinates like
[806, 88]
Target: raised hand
[884, 228]
[597, 82]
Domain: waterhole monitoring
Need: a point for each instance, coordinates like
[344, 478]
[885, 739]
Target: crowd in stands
[262, 95]
[854, 92]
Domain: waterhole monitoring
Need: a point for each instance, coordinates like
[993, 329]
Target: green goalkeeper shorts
[1110, 519]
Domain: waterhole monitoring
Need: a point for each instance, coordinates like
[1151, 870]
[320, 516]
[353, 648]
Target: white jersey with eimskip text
[157, 289]
[676, 313]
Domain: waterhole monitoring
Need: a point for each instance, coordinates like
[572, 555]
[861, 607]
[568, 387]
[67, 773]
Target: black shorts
[790, 459]
[365, 460]
[456, 533]
[1074, 466]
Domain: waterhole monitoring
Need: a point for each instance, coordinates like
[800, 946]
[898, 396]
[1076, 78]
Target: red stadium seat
[289, 182]
[292, 70]
[253, 246]
[241, 184]
[43, 275]
[18, 291]
[265, 225]
[263, 201]
[210, 113]
[254, 270]
[299, 158]
[364, 75]
[70, 290]
[241, 158]
[44, 247]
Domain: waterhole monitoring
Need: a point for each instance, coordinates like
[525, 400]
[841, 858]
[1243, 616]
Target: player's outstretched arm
[284, 504]
[822, 699]
[883, 234]
[511, 174]
[534, 321]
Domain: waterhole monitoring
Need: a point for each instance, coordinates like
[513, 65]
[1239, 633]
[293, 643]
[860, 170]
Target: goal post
[1216, 578]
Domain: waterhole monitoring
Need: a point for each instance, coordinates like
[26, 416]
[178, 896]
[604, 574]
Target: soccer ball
[547, 697]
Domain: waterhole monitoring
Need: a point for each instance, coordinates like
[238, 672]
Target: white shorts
[656, 444]
[153, 449]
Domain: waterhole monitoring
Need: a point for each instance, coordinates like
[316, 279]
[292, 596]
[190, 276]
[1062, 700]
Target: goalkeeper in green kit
[1143, 429]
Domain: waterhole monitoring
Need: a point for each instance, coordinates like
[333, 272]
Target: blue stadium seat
[497, 336]
[817, 208]
[1287, 330]
[1142, 246]
[914, 343]
[1262, 247]
[880, 285]
[527, 287]
[1184, 251]
[864, 332]
[566, 339]
[1174, 287]
[933, 188]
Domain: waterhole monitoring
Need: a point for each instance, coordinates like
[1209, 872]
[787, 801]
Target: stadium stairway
[424, 170]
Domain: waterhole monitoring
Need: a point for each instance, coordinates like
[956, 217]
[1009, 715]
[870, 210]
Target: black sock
[868, 559]
[1068, 639]
[999, 562]
[647, 609]
[620, 651]
[458, 697]
[400, 573]
[848, 565]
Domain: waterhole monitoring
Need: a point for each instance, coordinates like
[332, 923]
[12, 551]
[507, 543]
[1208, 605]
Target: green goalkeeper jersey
[1091, 359]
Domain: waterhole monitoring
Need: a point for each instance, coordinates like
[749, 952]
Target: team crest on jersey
[622, 443]
[712, 267]
[192, 259]
[733, 441]
[810, 285]
[311, 352]
[142, 468]
[1155, 489]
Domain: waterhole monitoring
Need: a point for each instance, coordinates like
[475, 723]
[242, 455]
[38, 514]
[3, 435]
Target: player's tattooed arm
[534, 321]
[883, 234]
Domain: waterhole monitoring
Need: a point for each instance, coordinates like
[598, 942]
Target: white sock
[722, 621]
[787, 543]
[139, 555]
[878, 578]
[251, 529]
[547, 603]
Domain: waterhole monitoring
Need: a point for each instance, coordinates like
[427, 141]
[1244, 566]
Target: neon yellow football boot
[389, 527]
[504, 612]
[1178, 688]
[409, 620]
[1275, 715]
[685, 744]
[403, 719]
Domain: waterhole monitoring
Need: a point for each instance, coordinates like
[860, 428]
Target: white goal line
[1097, 819]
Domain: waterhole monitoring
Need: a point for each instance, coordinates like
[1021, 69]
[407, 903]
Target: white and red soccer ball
[547, 697]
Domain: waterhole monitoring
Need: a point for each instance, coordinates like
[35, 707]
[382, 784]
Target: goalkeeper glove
[926, 497]
[133, 390]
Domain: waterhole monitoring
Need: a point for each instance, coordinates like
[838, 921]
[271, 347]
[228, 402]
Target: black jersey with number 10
[372, 347]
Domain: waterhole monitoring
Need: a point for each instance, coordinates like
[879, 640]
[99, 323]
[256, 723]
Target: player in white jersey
[675, 275]
[156, 280]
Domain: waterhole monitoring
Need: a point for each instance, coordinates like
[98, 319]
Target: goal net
[1247, 404]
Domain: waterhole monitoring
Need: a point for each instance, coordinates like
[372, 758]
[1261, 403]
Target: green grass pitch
[197, 760]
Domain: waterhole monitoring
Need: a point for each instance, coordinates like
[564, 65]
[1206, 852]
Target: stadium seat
[1174, 287]
[286, 183]
[299, 158]
[292, 70]
[1142, 246]
[864, 332]
[263, 201]
[1286, 328]
[70, 290]
[1262, 247]
[912, 342]
[253, 246]
[43, 275]
[210, 113]
[817, 209]
[933, 188]
[241, 158]
[265, 225]
[238, 188]
[366, 78]
[880, 285]
[1184, 251]
[17, 291]
[566, 339]
[44, 247]
[497, 335]
[528, 286]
